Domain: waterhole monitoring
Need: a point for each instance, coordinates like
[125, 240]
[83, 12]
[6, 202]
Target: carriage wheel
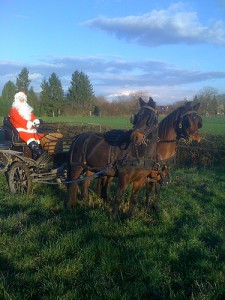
[3, 163]
[19, 179]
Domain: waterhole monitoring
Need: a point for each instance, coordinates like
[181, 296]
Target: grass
[48, 252]
[212, 125]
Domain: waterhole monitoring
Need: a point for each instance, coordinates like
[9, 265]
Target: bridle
[149, 127]
[181, 130]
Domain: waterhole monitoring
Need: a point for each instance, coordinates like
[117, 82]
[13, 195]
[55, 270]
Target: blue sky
[170, 50]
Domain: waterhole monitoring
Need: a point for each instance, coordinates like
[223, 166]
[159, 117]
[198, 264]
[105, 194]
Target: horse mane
[168, 122]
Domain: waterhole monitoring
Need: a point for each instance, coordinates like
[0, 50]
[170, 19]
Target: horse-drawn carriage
[21, 169]
[138, 159]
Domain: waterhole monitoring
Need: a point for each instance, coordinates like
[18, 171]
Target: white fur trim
[31, 140]
[20, 96]
[26, 130]
[29, 124]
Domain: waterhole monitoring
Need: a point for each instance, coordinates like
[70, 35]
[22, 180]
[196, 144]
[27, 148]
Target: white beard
[24, 109]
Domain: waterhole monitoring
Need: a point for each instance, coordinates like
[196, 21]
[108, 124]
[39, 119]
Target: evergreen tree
[56, 94]
[8, 93]
[52, 96]
[45, 96]
[80, 93]
[32, 99]
[22, 81]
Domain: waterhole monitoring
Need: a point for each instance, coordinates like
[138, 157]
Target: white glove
[36, 123]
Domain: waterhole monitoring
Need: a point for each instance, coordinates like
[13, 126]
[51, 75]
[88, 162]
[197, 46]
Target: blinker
[133, 119]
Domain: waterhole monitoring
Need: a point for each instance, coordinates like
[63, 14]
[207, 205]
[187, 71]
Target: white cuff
[29, 124]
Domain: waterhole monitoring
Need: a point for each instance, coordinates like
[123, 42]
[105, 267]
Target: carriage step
[44, 158]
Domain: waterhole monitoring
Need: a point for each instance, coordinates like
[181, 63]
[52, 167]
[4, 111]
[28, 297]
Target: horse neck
[148, 148]
[167, 145]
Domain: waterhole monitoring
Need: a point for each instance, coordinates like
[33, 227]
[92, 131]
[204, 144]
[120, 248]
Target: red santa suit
[23, 119]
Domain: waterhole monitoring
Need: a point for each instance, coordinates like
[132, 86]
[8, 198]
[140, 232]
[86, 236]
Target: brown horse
[183, 123]
[118, 150]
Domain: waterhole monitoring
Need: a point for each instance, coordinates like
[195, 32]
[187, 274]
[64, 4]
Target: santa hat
[20, 96]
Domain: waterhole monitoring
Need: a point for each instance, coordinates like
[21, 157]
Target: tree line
[52, 101]
[80, 100]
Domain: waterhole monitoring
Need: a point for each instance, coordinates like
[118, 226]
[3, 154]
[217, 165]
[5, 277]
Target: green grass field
[214, 125]
[47, 252]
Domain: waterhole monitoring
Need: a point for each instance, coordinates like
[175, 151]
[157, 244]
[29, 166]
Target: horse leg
[73, 187]
[134, 196]
[157, 197]
[150, 186]
[86, 185]
[106, 181]
[98, 186]
[152, 200]
[123, 182]
[102, 187]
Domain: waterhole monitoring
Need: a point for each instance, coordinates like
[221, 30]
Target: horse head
[189, 123]
[145, 121]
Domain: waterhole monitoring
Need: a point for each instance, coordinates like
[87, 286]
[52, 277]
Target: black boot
[37, 151]
[39, 154]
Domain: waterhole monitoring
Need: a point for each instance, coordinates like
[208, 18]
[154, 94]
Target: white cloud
[115, 76]
[175, 25]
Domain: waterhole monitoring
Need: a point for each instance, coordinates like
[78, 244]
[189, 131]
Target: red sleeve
[16, 119]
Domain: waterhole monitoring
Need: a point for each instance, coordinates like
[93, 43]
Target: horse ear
[187, 106]
[196, 107]
[141, 102]
[151, 102]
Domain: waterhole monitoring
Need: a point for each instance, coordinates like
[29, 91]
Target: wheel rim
[20, 181]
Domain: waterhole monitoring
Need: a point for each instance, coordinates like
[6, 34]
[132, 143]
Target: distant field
[213, 125]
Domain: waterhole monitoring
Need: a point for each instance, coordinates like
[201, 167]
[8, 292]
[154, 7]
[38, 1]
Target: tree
[32, 98]
[80, 94]
[8, 93]
[207, 97]
[52, 96]
[96, 111]
[56, 94]
[45, 96]
[22, 81]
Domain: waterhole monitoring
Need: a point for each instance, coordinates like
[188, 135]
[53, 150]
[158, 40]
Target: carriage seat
[11, 134]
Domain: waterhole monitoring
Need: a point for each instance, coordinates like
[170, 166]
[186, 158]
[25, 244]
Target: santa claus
[23, 119]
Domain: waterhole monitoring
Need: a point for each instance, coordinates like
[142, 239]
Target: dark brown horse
[119, 151]
[182, 123]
